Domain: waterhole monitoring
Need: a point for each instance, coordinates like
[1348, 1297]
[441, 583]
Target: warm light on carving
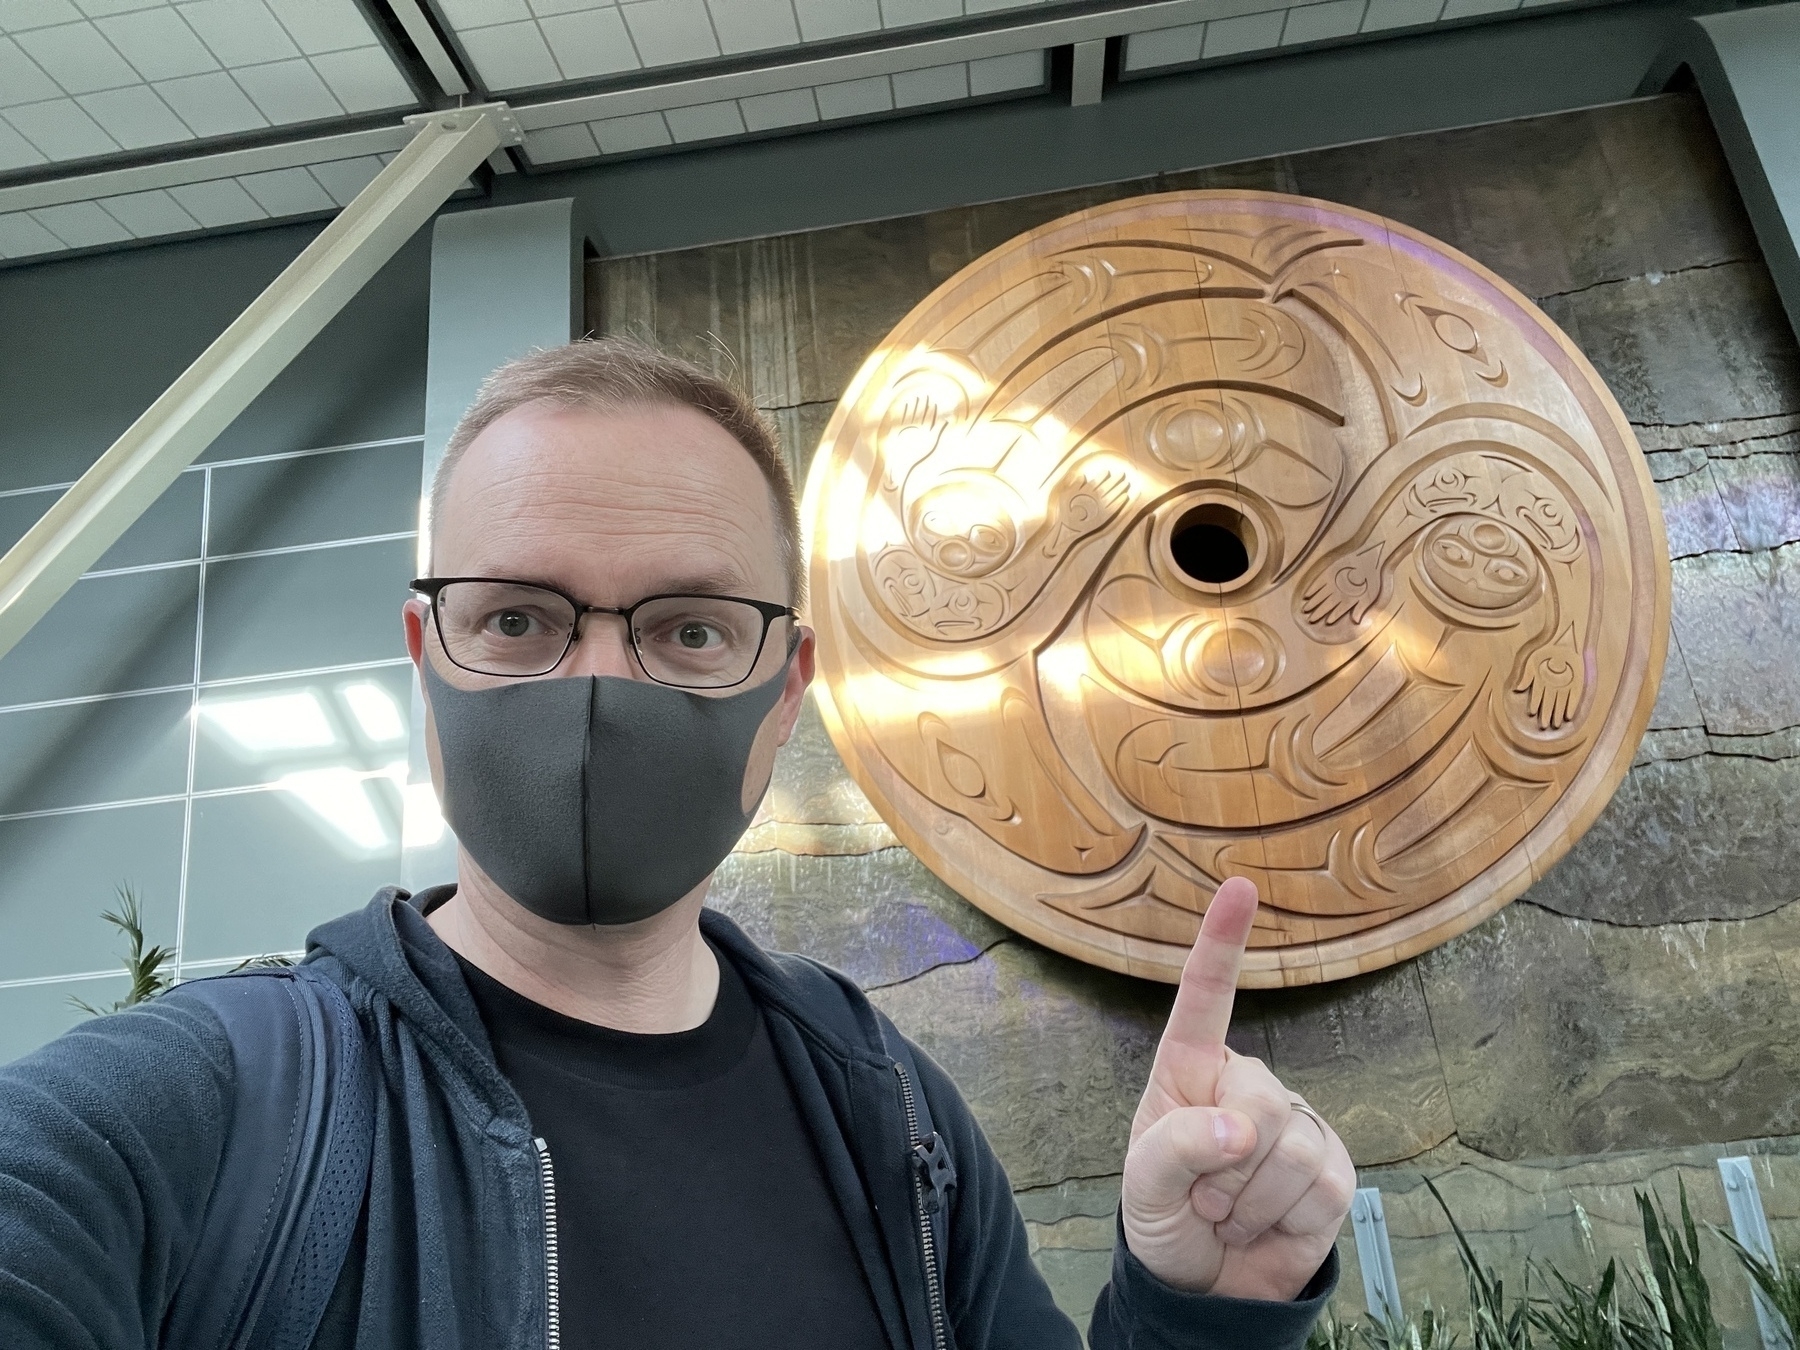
[1215, 533]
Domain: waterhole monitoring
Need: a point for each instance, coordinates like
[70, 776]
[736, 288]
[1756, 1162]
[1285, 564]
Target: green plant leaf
[1673, 1286]
[144, 966]
[1779, 1281]
[1494, 1324]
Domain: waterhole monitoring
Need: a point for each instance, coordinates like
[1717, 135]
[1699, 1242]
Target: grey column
[503, 281]
[1747, 64]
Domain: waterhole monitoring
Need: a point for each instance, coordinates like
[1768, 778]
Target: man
[603, 1116]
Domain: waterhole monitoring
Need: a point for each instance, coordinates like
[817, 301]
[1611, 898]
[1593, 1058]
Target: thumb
[1188, 1143]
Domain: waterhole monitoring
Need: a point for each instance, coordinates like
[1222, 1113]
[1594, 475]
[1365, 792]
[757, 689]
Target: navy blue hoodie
[110, 1137]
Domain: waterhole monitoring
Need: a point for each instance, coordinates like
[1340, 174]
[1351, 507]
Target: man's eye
[511, 623]
[695, 636]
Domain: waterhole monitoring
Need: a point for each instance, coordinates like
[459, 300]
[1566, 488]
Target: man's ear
[414, 615]
[799, 675]
[412, 618]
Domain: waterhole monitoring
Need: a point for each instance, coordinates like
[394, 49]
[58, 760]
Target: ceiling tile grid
[956, 82]
[1326, 21]
[528, 44]
[85, 78]
[276, 194]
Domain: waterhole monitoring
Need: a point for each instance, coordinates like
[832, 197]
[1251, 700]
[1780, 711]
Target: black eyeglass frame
[433, 587]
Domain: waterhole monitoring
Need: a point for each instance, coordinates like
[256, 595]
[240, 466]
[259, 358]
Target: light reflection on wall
[273, 723]
[375, 712]
[330, 752]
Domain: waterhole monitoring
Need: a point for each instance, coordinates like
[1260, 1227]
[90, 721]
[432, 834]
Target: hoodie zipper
[552, 1277]
[918, 1147]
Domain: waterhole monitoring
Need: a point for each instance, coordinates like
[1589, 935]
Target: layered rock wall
[1637, 1007]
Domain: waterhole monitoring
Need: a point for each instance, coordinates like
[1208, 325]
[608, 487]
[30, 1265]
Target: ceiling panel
[824, 20]
[147, 214]
[87, 80]
[755, 25]
[135, 117]
[186, 208]
[81, 224]
[589, 43]
[672, 32]
[719, 120]
[1161, 49]
[514, 45]
[128, 75]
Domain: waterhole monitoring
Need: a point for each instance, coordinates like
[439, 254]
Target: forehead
[610, 503]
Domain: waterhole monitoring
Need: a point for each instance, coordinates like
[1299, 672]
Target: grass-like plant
[1671, 1284]
[143, 964]
[1495, 1323]
[1578, 1317]
[1428, 1331]
[266, 961]
[1778, 1280]
[1330, 1334]
[1671, 1299]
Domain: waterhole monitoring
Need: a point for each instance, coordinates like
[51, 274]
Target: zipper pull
[935, 1169]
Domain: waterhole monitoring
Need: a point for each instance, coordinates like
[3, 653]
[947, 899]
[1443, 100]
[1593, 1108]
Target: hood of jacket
[390, 949]
[442, 1084]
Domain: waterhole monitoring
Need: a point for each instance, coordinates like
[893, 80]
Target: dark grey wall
[86, 344]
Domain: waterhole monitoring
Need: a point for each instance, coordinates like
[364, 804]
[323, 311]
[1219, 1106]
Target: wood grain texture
[1412, 693]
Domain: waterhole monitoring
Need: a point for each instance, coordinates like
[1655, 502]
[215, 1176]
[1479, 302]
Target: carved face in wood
[1219, 532]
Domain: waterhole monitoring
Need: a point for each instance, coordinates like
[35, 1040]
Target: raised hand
[1228, 1189]
[1350, 587]
[1552, 681]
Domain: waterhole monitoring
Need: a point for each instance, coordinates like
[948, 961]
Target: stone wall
[1639, 1004]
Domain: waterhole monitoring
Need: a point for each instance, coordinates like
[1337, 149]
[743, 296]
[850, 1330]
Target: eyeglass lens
[502, 628]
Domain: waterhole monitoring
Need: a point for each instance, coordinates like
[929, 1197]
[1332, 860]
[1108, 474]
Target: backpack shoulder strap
[290, 1185]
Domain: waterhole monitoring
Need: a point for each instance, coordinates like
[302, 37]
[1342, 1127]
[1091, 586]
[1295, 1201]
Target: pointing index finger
[1202, 1012]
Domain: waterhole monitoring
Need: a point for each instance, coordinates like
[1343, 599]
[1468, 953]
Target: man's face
[611, 507]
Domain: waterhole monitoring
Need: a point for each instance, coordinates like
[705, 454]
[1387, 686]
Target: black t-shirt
[692, 1207]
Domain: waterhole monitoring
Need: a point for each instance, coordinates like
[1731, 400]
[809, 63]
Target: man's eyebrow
[726, 581]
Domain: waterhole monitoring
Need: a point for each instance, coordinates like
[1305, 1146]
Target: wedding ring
[1305, 1110]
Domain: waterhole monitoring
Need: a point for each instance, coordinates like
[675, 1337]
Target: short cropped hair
[615, 373]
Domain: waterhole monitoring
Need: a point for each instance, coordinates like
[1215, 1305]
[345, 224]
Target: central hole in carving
[1210, 544]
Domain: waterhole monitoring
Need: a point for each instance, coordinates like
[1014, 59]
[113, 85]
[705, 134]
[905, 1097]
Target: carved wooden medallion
[1229, 532]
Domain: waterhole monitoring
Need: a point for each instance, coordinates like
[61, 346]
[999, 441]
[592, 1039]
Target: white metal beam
[88, 518]
[1087, 81]
[84, 187]
[424, 38]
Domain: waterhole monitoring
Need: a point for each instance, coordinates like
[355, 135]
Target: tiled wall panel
[216, 716]
[248, 799]
[241, 801]
[63, 869]
[109, 635]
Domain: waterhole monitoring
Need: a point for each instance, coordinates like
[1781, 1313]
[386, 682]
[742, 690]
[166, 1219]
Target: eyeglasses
[520, 629]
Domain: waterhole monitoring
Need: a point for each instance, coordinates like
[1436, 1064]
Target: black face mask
[594, 799]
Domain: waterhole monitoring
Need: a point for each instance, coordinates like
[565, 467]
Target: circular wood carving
[1229, 532]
